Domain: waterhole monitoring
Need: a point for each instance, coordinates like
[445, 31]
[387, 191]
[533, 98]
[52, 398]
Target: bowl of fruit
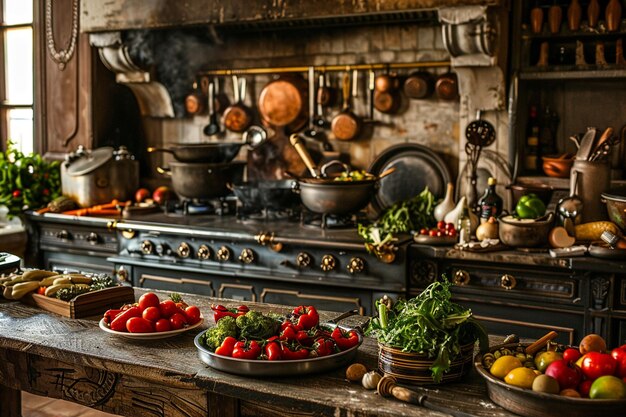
[558, 380]
[443, 234]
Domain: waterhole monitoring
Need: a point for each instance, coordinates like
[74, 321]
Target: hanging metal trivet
[63, 56]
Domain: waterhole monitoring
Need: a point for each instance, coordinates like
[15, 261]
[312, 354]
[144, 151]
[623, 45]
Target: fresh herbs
[430, 324]
[405, 216]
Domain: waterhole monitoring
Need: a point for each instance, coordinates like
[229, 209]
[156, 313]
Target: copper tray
[529, 403]
[247, 367]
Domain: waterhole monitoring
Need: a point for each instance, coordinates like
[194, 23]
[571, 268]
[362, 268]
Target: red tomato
[433, 233]
[151, 313]
[177, 321]
[439, 233]
[451, 232]
[148, 299]
[192, 313]
[42, 290]
[584, 388]
[168, 308]
[571, 355]
[450, 226]
[596, 364]
[441, 225]
[139, 325]
[17, 193]
[423, 231]
[163, 325]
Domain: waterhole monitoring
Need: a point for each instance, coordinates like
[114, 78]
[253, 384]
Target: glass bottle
[532, 141]
[490, 204]
[464, 225]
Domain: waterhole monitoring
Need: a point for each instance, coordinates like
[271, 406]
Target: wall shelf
[556, 74]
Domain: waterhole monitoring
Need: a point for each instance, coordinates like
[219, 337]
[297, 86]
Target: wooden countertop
[44, 353]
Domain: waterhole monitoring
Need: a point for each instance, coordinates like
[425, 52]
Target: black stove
[261, 258]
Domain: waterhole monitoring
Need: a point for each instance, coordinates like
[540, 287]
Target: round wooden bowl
[529, 403]
[414, 368]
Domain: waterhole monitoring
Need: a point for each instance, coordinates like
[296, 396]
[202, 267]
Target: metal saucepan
[214, 152]
[419, 85]
[273, 195]
[199, 180]
[238, 116]
[346, 125]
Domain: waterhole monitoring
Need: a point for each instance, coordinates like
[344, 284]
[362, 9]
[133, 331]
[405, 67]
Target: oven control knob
[304, 260]
[356, 265]
[64, 235]
[147, 247]
[92, 238]
[204, 252]
[328, 263]
[184, 250]
[163, 249]
[122, 274]
[223, 254]
[247, 256]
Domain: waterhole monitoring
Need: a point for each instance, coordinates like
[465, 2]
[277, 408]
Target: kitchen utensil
[479, 133]
[238, 117]
[416, 166]
[371, 88]
[615, 200]
[605, 251]
[202, 180]
[322, 98]
[524, 233]
[336, 197]
[213, 128]
[254, 136]
[283, 102]
[576, 140]
[447, 87]
[213, 152]
[387, 82]
[100, 175]
[599, 144]
[195, 101]
[593, 178]
[557, 166]
[311, 131]
[586, 144]
[346, 125]
[295, 141]
[387, 102]
[529, 403]
[569, 209]
[295, 368]
[419, 85]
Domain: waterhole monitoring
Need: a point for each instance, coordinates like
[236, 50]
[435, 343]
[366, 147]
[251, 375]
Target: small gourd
[371, 379]
[447, 205]
[355, 372]
[487, 230]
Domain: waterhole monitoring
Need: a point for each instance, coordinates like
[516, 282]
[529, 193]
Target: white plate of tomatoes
[151, 318]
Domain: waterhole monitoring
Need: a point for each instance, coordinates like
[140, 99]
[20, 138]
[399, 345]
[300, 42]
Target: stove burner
[328, 221]
[219, 206]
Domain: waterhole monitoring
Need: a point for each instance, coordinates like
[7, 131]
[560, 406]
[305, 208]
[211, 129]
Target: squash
[591, 231]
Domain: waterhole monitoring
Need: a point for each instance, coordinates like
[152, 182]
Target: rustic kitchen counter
[74, 360]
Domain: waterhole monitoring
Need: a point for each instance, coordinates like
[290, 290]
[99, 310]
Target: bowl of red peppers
[247, 342]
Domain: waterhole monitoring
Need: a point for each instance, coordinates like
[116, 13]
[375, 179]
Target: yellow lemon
[503, 365]
[521, 377]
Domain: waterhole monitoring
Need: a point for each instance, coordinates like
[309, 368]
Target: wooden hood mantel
[98, 16]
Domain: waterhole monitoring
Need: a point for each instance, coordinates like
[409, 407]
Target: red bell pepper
[288, 334]
[305, 338]
[273, 351]
[243, 350]
[119, 323]
[345, 340]
[227, 346]
[220, 311]
[307, 316]
[109, 315]
[299, 353]
[323, 346]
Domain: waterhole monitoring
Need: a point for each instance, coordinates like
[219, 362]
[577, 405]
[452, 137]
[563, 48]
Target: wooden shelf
[558, 73]
[585, 32]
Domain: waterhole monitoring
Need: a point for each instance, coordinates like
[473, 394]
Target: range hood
[116, 15]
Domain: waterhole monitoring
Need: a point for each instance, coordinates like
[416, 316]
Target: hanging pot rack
[326, 68]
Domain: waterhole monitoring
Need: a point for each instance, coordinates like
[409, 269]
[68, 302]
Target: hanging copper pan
[283, 102]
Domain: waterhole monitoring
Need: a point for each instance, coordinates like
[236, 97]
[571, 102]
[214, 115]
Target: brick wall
[431, 122]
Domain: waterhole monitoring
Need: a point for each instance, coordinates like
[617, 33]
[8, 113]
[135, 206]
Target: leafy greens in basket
[429, 324]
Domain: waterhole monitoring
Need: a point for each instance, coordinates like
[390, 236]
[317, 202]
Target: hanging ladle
[213, 128]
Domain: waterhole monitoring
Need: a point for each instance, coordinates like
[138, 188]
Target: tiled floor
[36, 406]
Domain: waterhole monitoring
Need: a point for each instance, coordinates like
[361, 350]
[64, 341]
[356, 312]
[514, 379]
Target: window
[16, 74]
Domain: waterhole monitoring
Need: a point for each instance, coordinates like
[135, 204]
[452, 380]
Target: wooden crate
[85, 305]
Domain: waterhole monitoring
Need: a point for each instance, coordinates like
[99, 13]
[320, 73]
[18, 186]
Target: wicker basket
[414, 368]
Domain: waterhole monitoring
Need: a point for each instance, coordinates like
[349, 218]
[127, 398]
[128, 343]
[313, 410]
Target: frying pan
[217, 152]
[238, 117]
[346, 125]
[283, 102]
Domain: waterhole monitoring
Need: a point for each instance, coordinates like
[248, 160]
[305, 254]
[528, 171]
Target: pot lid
[91, 161]
[416, 166]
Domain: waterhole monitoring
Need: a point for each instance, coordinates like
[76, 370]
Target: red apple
[142, 194]
[596, 364]
[162, 194]
[567, 374]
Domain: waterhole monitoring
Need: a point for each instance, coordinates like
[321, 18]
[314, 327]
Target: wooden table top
[175, 362]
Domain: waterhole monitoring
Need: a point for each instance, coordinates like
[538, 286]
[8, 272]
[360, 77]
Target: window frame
[35, 26]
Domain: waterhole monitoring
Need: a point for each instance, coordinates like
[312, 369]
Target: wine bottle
[490, 203]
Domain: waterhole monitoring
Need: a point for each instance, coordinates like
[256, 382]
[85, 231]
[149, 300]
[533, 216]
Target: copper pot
[447, 86]
[238, 117]
[283, 102]
[419, 85]
[346, 125]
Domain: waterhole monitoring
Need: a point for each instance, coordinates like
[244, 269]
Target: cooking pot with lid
[98, 176]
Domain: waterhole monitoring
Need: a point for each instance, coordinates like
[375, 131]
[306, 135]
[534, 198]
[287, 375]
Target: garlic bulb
[371, 379]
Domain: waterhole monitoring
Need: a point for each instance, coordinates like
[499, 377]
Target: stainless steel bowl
[615, 200]
[277, 368]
